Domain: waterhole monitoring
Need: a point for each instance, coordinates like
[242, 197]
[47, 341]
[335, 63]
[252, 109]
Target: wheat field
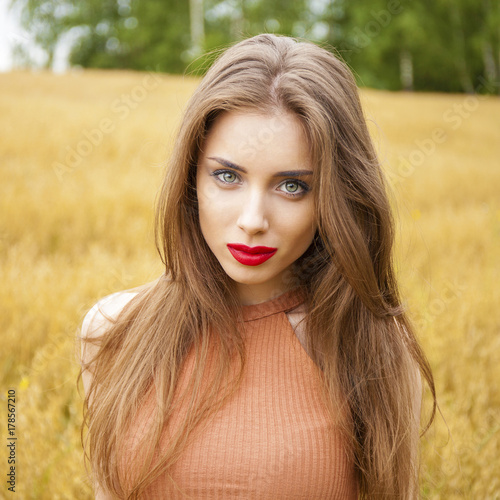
[82, 156]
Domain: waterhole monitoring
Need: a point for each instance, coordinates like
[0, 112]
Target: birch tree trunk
[197, 18]
[406, 69]
[460, 53]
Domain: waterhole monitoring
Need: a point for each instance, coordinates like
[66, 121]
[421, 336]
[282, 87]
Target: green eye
[225, 176]
[294, 188]
[229, 177]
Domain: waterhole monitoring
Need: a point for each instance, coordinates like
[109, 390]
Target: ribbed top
[273, 439]
[283, 303]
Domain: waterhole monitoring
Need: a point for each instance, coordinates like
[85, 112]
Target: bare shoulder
[97, 321]
[100, 316]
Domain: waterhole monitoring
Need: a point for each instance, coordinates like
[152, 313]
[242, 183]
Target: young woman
[273, 359]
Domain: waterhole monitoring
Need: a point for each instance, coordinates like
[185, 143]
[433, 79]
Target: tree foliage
[443, 45]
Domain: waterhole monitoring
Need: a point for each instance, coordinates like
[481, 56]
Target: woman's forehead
[249, 136]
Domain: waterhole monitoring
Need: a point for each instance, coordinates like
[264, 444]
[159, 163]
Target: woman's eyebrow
[227, 163]
[285, 173]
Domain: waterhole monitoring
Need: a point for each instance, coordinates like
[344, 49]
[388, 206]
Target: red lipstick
[250, 256]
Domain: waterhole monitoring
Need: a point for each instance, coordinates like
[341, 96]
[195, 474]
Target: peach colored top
[273, 439]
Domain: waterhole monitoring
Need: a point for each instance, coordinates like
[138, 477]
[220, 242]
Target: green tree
[444, 45]
[46, 21]
[489, 43]
[113, 34]
[427, 45]
[134, 35]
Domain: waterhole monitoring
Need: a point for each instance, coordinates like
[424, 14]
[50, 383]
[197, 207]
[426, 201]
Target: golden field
[81, 161]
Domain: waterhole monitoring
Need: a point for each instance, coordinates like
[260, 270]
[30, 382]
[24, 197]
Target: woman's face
[254, 190]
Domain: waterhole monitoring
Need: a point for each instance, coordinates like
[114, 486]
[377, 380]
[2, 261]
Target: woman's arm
[95, 323]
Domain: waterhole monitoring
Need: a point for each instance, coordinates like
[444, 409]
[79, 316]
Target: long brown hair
[358, 333]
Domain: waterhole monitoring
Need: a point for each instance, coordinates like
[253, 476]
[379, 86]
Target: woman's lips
[251, 256]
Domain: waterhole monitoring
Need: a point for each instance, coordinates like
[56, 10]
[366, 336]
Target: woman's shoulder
[96, 322]
[104, 312]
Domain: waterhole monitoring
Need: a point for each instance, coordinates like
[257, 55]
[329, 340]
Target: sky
[12, 33]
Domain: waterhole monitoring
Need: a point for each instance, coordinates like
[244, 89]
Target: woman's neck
[258, 293]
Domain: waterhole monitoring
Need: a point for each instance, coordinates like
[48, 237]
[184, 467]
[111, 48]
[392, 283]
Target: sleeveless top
[273, 439]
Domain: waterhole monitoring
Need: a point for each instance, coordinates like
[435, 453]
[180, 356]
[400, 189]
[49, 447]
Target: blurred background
[444, 45]
[91, 95]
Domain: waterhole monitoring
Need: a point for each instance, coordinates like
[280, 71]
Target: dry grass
[70, 235]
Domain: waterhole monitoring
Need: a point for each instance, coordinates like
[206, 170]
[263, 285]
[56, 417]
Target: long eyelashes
[233, 176]
[217, 173]
[304, 187]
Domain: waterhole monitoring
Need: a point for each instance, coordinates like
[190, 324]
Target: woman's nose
[253, 215]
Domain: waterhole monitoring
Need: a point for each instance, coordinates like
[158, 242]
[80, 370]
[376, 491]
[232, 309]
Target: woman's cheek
[218, 209]
[226, 202]
[207, 191]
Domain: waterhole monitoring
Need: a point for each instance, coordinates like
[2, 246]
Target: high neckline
[284, 302]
